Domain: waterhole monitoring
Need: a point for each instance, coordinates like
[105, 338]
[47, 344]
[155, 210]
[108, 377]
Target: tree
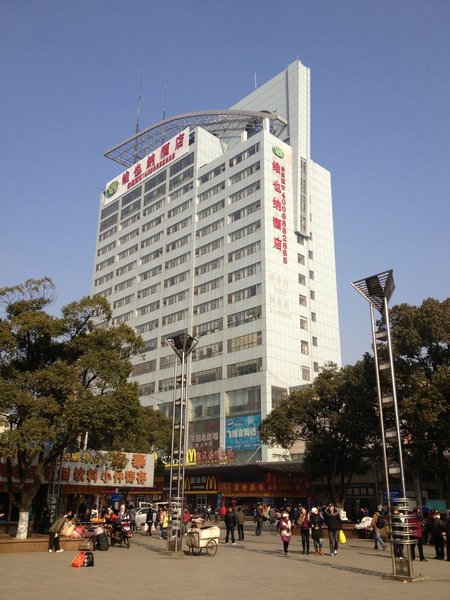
[420, 337]
[60, 376]
[336, 417]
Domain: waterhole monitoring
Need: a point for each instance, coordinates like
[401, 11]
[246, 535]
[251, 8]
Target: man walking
[230, 524]
[240, 520]
[334, 524]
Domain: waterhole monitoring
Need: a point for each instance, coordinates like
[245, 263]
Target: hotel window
[207, 248]
[155, 194]
[207, 351]
[128, 252]
[109, 222]
[300, 239]
[105, 293]
[301, 279]
[244, 368]
[306, 375]
[209, 266]
[245, 316]
[313, 316]
[152, 256]
[153, 207]
[107, 234]
[104, 278]
[244, 212]
[148, 308]
[216, 189]
[105, 249]
[167, 361]
[132, 208]
[208, 286]
[179, 243]
[176, 279]
[243, 155]
[150, 345]
[123, 285]
[145, 367]
[200, 309]
[304, 347]
[244, 231]
[109, 210]
[105, 263]
[244, 272]
[206, 376]
[301, 259]
[181, 178]
[151, 240]
[152, 223]
[244, 341]
[174, 317]
[147, 326]
[314, 341]
[302, 300]
[133, 195]
[179, 297]
[245, 173]
[211, 210]
[123, 301]
[180, 208]
[245, 251]
[129, 236]
[181, 164]
[211, 228]
[147, 389]
[312, 294]
[211, 174]
[311, 274]
[122, 318]
[154, 181]
[130, 221]
[207, 328]
[303, 324]
[153, 289]
[244, 192]
[179, 225]
[180, 191]
[126, 268]
[178, 260]
[243, 401]
[244, 294]
[150, 273]
[316, 367]
[311, 254]
[165, 385]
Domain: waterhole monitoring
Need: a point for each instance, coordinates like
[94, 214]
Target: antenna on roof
[138, 119]
[256, 85]
[164, 102]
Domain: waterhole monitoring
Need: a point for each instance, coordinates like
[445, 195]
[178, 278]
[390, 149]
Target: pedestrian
[378, 524]
[259, 519]
[417, 524]
[316, 522]
[230, 524]
[186, 519]
[55, 530]
[285, 531]
[437, 535]
[305, 525]
[447, 535]
[240, 520]
[398, 521]
[45, 522]
[271, 519]
[132, 515]
[334, 524]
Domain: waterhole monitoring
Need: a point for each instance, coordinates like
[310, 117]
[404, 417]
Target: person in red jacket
[417, 534]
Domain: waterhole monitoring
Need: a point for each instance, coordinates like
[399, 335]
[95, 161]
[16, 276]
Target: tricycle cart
[206, 537]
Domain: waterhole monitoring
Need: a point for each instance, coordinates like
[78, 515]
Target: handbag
[86, 545]
[78, 561]
[342, 538]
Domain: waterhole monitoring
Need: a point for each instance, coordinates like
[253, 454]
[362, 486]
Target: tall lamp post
[378, 290]
[182, 344]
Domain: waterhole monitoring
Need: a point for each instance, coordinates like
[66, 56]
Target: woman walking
[305, 525]
[285, 531]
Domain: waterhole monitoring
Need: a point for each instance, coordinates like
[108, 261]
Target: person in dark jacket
[437, 536]
[240, 520]
[230, 524]
[316, 522]
[417, 534]
[334, 524]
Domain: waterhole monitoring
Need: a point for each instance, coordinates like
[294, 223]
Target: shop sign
[242, 433]
[149, 165]
[279, 217]
[200, 483]
[82, 468]
[209, 457]
[360, 490]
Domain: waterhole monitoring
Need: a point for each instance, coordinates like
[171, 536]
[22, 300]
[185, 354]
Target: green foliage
[63, 376]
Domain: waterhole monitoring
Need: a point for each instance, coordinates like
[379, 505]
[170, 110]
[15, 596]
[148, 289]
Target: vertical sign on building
[279, 218]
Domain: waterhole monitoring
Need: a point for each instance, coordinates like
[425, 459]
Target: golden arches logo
[187, 484]
[191, 458]
[211, 483]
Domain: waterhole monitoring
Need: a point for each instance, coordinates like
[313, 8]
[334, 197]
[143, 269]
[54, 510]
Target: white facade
[232, 242]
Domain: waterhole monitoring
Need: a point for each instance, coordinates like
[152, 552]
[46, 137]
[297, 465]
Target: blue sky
[380, 98]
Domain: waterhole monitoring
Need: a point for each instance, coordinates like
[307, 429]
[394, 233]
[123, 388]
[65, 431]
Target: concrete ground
[254, 569]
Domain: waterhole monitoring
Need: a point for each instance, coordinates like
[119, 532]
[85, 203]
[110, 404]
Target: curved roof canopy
[222, 123]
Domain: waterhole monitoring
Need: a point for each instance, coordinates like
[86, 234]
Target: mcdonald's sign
[191, 458]
[211, 484]
[202, 483]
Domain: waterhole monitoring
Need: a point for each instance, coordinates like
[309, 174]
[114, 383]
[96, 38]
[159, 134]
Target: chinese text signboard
[279, 218]
[82, 468]
[149, 165]
[242, 433]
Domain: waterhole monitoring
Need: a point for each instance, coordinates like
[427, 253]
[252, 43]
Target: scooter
[121, 533]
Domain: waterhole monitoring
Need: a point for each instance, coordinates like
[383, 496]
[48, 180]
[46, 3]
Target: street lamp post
[378, 290]
[182, 344]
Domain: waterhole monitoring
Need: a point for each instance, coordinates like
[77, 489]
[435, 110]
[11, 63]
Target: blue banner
[242, 433]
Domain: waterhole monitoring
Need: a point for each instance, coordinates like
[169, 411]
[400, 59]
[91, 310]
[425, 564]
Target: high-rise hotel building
[220, 225]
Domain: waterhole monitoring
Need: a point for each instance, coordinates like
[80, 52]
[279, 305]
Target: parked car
[141, 516]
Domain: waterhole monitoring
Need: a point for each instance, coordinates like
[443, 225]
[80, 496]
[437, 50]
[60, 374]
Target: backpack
[380, 522]
[102, 542]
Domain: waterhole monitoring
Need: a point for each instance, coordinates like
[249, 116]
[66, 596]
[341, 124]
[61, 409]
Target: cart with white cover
[205, 537]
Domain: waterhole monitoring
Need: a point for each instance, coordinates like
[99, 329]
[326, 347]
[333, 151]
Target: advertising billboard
[242, 433]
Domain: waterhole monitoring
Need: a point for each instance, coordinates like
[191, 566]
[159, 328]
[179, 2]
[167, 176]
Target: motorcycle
[121, 533]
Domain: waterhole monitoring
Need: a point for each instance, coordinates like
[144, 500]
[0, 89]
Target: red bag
[78, 561]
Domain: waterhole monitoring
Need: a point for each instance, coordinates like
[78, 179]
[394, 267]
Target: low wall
[35, 544]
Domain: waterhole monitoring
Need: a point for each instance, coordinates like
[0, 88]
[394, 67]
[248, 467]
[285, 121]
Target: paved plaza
[255, 569]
